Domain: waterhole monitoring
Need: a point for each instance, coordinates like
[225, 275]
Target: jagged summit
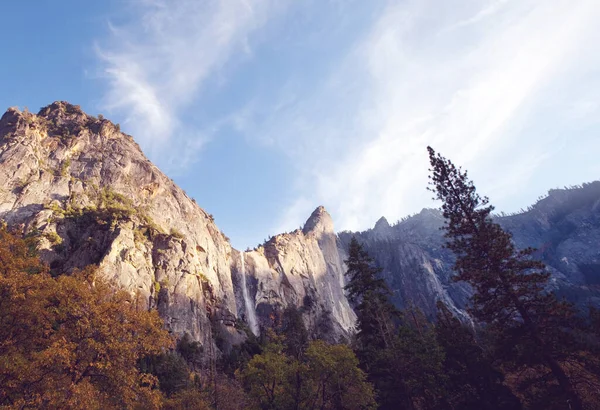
[58, 110]
[62, 113]
[319, 222]
[58, 107]
[564, 226]
[382, 224]
[382, 229]
[65, 122]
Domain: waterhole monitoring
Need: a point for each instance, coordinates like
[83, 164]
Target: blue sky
[264, 109]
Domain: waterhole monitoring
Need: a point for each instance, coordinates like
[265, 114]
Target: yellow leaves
[186, 399]
[71, 341]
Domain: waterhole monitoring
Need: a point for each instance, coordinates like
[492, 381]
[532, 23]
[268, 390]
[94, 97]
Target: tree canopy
[532, 328]
[71, 341]
[327, 377]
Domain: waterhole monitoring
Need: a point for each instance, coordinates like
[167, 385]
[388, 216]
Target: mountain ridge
[564, 226]
[89, 194]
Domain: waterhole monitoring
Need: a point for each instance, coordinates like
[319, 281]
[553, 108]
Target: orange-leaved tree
[72, 341]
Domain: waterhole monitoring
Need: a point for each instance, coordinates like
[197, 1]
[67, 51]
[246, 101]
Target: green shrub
[158, 285]
[139, 234]
[176, 234]
[171, 370]
[202, 276]
[64, 168]
[191, 350]
[53, 238]
[54, 207]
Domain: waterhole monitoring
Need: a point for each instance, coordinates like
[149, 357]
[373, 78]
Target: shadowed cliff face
[564, 227]
[91, 196]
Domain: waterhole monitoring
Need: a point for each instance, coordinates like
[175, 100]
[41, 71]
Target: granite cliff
[88, 193]
[563, 226]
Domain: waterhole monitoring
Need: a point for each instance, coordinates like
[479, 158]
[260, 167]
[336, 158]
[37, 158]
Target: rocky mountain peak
[59, 108]
[382, 229]
[10, 113]
[382, 224]
[319, 222]
[9, 120]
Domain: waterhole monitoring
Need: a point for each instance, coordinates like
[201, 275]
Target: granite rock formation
[88, 193]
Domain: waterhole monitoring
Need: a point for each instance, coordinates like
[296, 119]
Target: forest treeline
[73, 341]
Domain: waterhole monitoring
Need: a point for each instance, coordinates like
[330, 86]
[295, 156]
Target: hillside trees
[473, 383]
[71, 341]
[532, 328]
[397, 349]
[369, 295]
[417, 362]
[326, 377]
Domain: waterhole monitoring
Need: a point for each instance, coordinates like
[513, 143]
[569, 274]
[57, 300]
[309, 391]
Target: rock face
[92, 197]
[303, 269]
[564, 227]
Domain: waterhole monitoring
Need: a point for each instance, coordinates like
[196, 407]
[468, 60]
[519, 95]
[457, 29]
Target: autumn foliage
[71, 341]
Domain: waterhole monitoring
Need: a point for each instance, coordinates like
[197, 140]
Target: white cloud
[158, 61]
[475, 79]
[462, 79]
[583, 109]
[487, 11]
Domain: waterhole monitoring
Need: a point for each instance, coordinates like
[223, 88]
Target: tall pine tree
[473, 382]
[376, 333]
[509, 286]
[369, 295]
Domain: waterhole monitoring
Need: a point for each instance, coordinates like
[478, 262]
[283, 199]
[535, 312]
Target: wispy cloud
[463, 79]
[352, 92]
[487, 11]
[157, 61]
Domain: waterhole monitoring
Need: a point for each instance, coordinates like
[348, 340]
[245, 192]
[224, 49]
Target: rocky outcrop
[92, 197]
[304, 268]
[301, 269]
[564, 227]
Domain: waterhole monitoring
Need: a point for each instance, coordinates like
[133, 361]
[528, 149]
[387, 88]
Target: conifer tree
[473, 382]
[294, 330]
[376, 336]
[369, 295]
[509, 286]
[418, 362]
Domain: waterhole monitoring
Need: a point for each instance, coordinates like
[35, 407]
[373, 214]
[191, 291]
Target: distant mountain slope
[564, 227]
